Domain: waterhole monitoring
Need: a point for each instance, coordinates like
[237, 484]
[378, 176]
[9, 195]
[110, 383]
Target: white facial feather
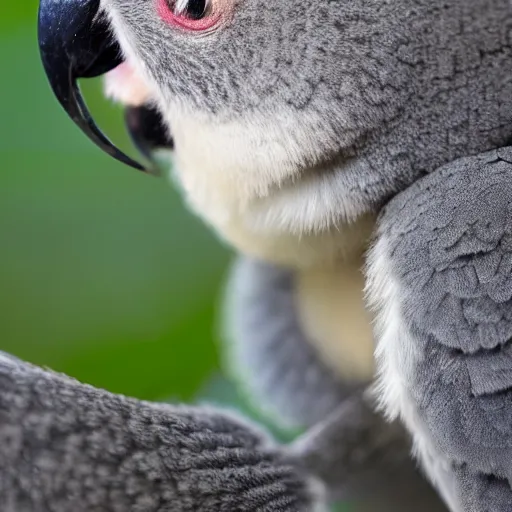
[246, 176]
[258, 103]
[332, 314]
[253, 178]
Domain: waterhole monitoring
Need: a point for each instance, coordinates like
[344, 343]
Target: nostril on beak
[75, 42]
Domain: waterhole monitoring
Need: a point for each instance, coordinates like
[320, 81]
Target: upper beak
[75, 42]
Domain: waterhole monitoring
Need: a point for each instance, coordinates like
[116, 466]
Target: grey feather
[366, 461]
[401, 87]
[267, 349]
[448, 244]
[67, 447]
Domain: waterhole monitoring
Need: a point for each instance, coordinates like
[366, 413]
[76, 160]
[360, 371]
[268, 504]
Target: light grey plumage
[294, 118]
[366, 98]
[443, 260]
[293, 125]
[268, 352]
[68, 447]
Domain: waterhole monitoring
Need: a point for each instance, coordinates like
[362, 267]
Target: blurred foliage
[104, 275]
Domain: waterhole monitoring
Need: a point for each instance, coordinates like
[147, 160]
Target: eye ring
[183, 14]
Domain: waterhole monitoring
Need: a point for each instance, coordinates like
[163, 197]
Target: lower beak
[75, 42]
[147, 130]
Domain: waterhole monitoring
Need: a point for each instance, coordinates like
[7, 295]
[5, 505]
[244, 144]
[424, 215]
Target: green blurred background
[104, 275]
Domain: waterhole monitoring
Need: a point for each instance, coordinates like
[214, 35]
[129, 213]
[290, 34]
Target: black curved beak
[75, 42]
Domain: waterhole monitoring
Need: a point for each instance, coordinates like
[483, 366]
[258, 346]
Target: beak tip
[75, 43]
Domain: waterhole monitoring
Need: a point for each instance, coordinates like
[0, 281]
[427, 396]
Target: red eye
[190, 14]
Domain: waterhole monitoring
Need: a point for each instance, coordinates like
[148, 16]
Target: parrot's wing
[268, 351]
[68, 447]
[440, 278]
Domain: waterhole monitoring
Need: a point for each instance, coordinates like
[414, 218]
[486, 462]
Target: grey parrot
[355, 155]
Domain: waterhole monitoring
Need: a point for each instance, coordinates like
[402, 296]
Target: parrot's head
[286, 121]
